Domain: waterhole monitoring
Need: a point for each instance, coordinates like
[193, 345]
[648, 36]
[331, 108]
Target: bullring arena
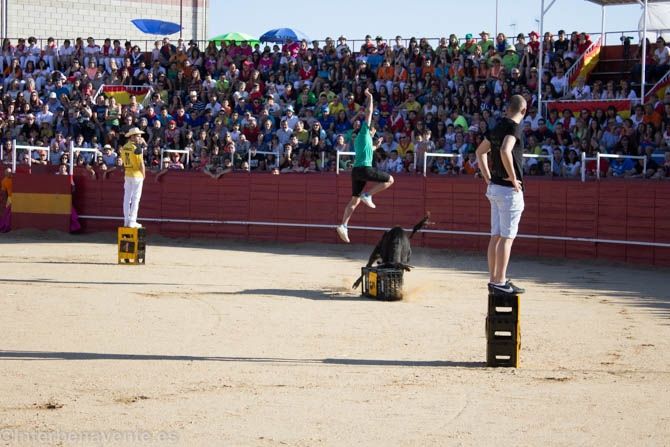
[234, 343]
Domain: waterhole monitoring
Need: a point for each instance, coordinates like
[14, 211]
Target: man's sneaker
[367, 199]
[343, 233]
[501, 288]
[508, 287]
[134, 225]
[516, 289]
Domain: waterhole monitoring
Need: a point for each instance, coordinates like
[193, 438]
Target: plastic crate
[131, 245]
[503, 331]
[382, 283]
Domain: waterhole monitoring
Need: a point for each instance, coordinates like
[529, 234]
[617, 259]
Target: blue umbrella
[151, 26]
[281, 35]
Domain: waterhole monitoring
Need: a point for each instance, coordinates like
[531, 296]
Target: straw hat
[133, 131]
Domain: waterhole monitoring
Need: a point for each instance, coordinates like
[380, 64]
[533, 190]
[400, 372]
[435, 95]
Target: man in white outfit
[132, 154]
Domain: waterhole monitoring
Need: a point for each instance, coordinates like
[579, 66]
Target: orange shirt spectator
[427, 68]
[385, 72]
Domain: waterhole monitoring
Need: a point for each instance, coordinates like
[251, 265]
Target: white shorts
[506, 208]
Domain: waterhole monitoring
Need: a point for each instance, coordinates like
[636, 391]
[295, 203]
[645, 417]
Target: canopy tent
[235, 37]
[603, 4]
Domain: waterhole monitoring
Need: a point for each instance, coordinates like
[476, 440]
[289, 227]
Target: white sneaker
[343, 233]
[367, 199]
[134, 225]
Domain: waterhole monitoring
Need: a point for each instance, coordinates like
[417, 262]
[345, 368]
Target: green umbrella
[234, 37]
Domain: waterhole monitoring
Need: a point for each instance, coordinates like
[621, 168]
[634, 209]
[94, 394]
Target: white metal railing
[30, 150]
[427, 155]
[551, 159]
[176, 151]
[632, 157]
[584, 160]
[337, 160]
[73, 149]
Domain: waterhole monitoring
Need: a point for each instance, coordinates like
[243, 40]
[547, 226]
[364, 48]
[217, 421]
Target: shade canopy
[281, 35]
[235, 37]
[160, 27]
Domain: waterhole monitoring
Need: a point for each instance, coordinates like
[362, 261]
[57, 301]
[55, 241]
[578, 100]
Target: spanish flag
[122, 93]
[41, 201]
[622, 106]
[587, 64]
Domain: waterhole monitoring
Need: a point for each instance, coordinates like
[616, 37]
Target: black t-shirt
[496, 136]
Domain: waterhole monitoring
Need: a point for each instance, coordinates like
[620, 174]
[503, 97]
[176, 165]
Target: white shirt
[559, 83]
[533, 121]
[44, 117]
[66, 51]
[583, 92]
[662, 55]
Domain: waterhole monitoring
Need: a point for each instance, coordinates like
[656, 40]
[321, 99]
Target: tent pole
[540, 69]
[603, 37]
[497, 1]
[644, 51]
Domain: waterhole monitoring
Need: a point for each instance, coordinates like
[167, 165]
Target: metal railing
[632, 157]
[354, 44]
[177, 151]
[551, 159]
[73, 149]
[426, 155]
[339, 153]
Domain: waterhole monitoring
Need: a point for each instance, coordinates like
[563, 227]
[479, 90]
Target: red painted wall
[618, 210]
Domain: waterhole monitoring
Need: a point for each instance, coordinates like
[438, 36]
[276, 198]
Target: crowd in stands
[290, 107]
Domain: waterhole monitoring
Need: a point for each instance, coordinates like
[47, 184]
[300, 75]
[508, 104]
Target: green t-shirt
[363, 147]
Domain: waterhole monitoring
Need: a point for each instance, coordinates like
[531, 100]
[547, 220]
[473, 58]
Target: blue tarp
[160, 27]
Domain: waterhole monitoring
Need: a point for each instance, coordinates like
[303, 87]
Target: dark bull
[394, 249]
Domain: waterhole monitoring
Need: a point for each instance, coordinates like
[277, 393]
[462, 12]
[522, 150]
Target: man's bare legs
[349, 210]
[379, 187]
[499, 251]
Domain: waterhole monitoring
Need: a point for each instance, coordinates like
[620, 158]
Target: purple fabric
[6, 220]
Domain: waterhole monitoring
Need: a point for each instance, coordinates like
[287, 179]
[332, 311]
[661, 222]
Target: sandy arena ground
[249, 344]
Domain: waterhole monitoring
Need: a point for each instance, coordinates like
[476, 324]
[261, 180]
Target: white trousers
[132, 192]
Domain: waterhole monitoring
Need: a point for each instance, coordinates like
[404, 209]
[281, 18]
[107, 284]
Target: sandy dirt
[249, 344]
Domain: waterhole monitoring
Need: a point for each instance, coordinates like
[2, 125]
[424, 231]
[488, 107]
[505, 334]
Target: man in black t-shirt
[504, 191]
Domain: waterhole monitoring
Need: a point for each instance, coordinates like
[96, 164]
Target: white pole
[643, 42]
[583, 166]
[13, 155]
[71, 157]
[425, 162]
[337, 163]
[496, 34]
[540, 69]
[598, 165]
[602, 25]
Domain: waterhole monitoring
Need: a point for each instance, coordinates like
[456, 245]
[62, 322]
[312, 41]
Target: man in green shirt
[363, 171]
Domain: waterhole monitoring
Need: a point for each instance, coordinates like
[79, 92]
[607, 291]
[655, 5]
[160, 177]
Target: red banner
[622, 106]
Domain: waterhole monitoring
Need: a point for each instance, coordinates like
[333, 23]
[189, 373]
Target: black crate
[504, 305]
[503, 353]
[382, 283]
[502, 328]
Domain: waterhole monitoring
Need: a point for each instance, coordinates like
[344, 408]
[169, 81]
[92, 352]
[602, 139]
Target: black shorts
[362, 174]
